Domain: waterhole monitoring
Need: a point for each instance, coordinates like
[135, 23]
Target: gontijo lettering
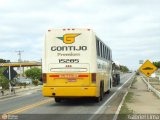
[68, 48]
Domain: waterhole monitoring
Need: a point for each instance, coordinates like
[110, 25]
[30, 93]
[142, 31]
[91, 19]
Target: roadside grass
[153, 80]
[125, 111]
[155, 83]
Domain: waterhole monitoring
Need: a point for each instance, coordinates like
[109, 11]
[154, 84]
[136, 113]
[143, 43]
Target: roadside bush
[22, 84]
[35, 82]
[35, 74]
[3, 80]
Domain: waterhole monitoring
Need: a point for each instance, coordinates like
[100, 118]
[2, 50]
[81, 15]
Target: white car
[24, 80]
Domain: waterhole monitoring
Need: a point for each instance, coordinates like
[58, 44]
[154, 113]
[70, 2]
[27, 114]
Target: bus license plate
[72, 80]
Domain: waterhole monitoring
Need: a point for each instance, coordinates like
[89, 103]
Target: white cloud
[131, 28]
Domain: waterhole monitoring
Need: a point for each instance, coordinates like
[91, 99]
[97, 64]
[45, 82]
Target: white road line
[119, 107]
[101, 107]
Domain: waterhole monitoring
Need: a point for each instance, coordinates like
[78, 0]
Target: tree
[157, 64]
[3, 80]
[35, 74]
[4, 61]
[123, 68]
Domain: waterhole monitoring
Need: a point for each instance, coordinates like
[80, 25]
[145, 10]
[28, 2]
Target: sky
[130, 27]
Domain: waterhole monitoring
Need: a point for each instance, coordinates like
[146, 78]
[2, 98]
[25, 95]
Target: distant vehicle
[115, 74]
[130, 71]
[76, 63]
[24, 80]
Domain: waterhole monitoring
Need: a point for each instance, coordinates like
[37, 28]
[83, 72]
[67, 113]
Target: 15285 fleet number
[68, 60]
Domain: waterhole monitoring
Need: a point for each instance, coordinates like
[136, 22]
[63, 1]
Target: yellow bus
[76, 63]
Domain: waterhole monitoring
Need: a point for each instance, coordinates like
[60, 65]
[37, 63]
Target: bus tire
[102, 91]
[58, 100]
[110, 86]
[108, 91]
[97, 99]
[118, 76]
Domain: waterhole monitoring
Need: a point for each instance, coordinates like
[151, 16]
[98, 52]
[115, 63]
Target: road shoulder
[139, 101]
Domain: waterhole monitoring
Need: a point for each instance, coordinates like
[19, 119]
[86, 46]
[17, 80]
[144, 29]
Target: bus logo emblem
[69, 38]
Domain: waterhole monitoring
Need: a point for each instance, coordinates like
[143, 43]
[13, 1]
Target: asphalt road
[33, 105]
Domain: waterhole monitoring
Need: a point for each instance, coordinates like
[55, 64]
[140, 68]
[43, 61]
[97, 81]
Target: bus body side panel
[103, 74]
[104, 70]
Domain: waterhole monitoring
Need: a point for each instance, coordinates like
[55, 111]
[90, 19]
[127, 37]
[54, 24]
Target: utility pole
[19, 54]
[20, 60]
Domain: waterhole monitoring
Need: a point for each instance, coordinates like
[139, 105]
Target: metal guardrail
[152, 88]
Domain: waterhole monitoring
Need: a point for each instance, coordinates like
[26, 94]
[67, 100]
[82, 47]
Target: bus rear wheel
[98, 99]
[101, 96]
[101, 91]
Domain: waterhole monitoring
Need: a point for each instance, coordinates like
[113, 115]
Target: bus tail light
[54, 76]
[44, 77]
[93, 77]
[68, 76]
[82, 76]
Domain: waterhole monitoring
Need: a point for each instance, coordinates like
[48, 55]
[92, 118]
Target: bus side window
[97, 46]
[108, 54]
[101, 49]
[99, 65]
[105, 52]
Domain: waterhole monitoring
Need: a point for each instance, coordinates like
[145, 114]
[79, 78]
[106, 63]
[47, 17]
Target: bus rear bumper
[69, 91]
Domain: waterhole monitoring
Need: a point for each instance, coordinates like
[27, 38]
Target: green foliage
[4, 61]
[35, 82]
[125, 110]
[123, 68]
[34, 73]
[157, 64]
[3, 80]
